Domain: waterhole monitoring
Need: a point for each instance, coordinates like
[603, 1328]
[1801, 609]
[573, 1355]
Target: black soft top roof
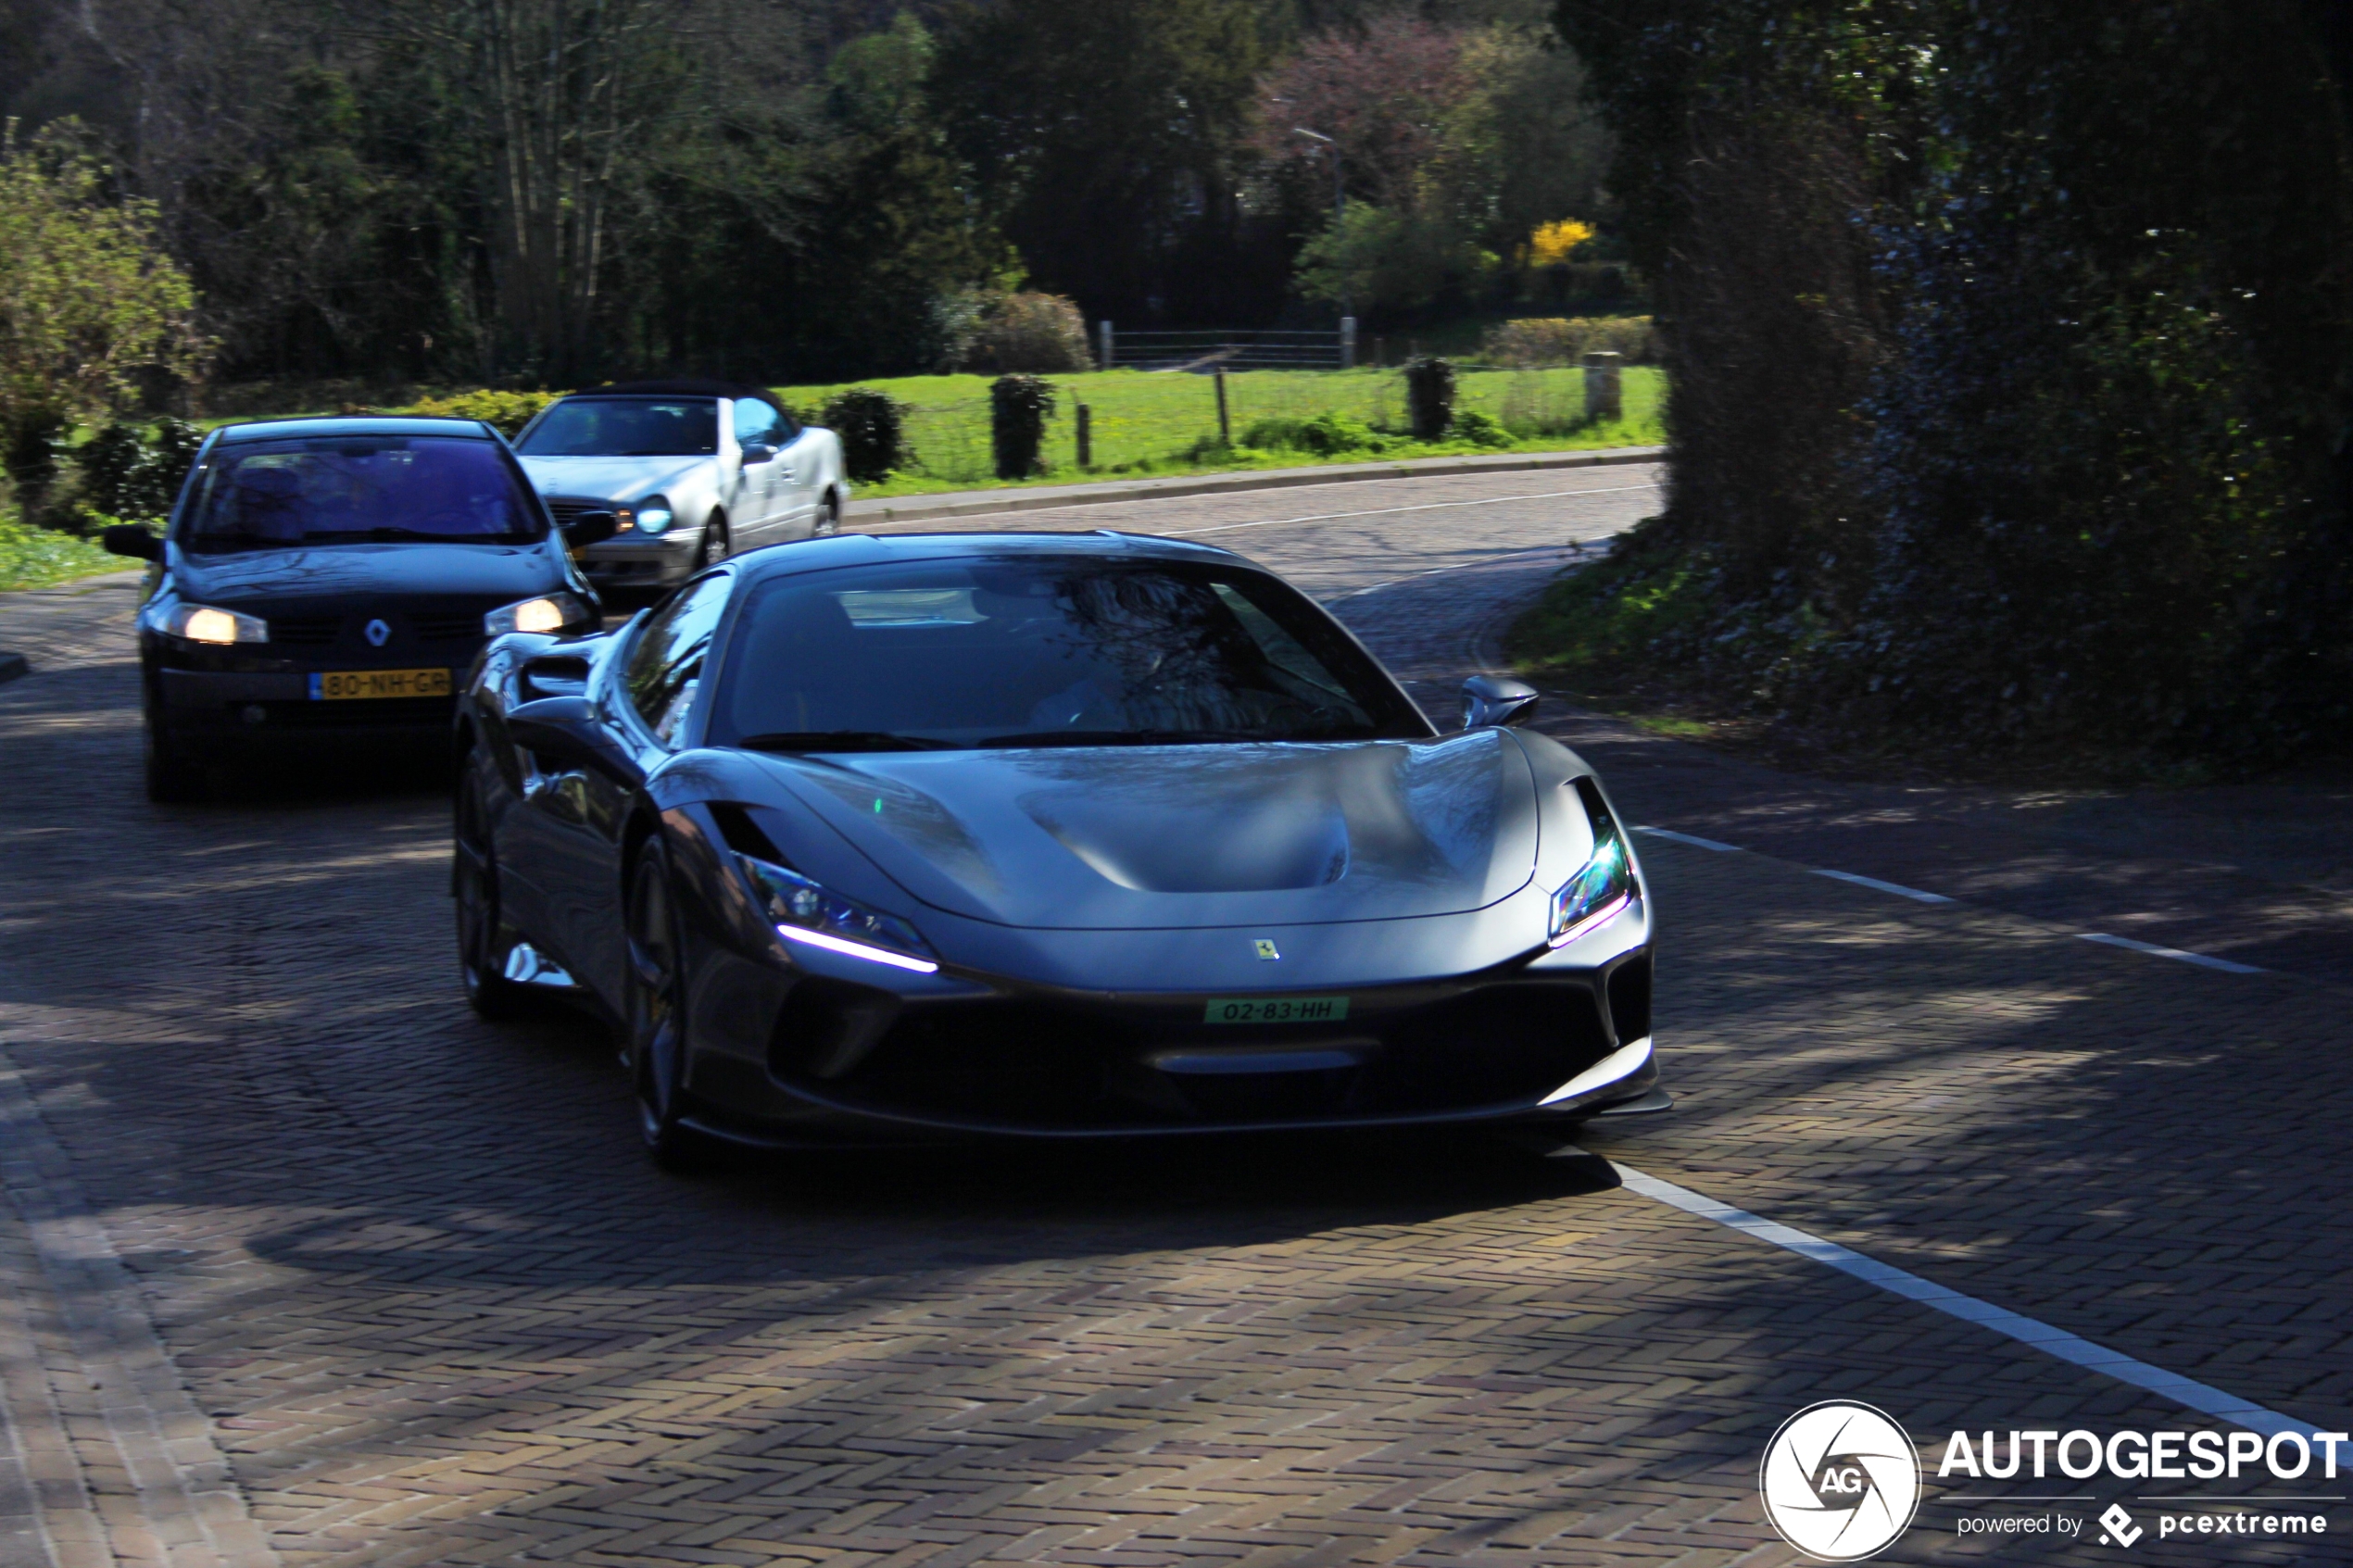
[688, 386]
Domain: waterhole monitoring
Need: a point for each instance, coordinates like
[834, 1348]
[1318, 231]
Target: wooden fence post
[1225, 422]
[1086, 436]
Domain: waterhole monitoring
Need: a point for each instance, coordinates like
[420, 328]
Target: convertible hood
[625, 479]
[1191, 836]
[246, 578]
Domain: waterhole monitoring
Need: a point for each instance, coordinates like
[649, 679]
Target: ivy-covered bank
[2009, 371]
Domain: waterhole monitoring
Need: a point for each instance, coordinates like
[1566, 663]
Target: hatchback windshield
[625, 427]
[1044, 652]
[358, 489]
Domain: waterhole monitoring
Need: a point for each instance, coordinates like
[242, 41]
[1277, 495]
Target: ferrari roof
[854, 550]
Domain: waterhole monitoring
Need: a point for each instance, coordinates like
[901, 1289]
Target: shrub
[506, 411]
[872, 426]
[1328, 435]
[126, 476]
[1429, 397]
[1553, 340]
[1018, 409]
[1481, 430]
[1025, 335]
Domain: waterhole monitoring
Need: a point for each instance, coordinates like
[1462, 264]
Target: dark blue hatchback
[332, 579]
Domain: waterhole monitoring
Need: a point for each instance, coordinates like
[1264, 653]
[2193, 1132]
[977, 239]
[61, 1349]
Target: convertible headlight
[1603, 889]
[808, 912]
[202, 623]
[653, 516]
[549, 612]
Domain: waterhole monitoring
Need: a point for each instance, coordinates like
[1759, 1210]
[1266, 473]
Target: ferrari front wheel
[657, 1015]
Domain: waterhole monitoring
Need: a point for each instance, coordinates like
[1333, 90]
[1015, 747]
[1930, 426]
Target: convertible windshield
[1011, 652]
[625, 427]
[360, 489]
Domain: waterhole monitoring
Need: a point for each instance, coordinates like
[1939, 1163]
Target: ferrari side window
[668, 660]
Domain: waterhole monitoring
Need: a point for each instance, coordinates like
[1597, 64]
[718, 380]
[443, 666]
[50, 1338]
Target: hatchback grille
[305, 630]
[463, 626]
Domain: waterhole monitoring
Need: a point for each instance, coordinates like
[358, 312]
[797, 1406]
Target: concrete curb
[11, 666]
[981, 503]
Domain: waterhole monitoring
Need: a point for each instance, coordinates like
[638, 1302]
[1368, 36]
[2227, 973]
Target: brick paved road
[305, 1266]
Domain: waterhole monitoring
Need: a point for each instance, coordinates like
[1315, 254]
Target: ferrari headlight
[202, 623]
[810, 914]
[549, 612]
[1603, 889]
[653, 517]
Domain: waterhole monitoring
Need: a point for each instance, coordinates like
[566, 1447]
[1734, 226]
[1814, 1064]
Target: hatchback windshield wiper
[843, 740]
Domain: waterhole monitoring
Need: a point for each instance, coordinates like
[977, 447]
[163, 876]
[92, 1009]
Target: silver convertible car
[694, 471]
[887, 840]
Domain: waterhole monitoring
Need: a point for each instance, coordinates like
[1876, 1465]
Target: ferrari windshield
[360, 489]
[625, 427]
[1044, 651]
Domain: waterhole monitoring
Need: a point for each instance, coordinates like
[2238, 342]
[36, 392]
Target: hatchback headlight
[811, 913]
[1603, 889]
[549, 612]
[203, 624]
[653, 516]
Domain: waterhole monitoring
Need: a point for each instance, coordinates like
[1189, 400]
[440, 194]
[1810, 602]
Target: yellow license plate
[337, 685]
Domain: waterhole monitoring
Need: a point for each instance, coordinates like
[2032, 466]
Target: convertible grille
[1020, 1063]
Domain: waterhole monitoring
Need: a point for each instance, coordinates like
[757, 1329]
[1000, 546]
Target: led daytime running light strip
[856, 949]
[1595, 921]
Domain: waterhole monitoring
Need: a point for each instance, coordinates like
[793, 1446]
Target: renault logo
[378, 633]
[1267, 948]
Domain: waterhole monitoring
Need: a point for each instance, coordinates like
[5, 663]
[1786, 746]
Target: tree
[1103, 131]
[89, 301]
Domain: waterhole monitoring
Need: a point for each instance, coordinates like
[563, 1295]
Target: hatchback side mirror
[757, 452]
[130, 539]
[590, 528]
[1490, 700]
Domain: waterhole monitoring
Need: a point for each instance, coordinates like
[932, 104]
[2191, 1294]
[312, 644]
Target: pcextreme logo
[1840, 1480]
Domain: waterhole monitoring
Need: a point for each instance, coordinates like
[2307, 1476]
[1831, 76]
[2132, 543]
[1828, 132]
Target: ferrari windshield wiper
[843, 740]
[1123, 737]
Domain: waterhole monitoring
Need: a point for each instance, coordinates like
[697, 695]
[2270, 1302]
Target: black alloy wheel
[657, 1015]
[713, 545]
[174, 777]
[829, 521]
[473, 884]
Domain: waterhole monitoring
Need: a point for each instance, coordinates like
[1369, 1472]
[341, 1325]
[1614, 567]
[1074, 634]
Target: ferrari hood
[1157, 838]
[611, 479]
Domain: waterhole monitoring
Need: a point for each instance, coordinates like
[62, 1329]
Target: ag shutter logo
[2119, 1528]
[1840, 1481]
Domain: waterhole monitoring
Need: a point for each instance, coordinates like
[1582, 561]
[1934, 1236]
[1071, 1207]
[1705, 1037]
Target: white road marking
[1895, 887]
[2225, 965]
[1384, 512]
[2032, 1331]
[1690, 839]
[1570, 549]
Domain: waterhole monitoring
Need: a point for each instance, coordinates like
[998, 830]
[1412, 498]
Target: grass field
[35, 557]
[1157, 423]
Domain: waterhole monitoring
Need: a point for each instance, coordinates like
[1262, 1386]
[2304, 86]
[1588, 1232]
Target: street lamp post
[1339, 217]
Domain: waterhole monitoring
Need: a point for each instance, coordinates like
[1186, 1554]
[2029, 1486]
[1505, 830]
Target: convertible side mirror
[757, 452]
[590, 528]
[130, 539]
[1491, 700]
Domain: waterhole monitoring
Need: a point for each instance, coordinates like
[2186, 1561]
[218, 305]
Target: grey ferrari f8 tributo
[873, 841]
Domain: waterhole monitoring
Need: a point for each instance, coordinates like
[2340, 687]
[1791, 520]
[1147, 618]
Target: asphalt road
[303, 1265]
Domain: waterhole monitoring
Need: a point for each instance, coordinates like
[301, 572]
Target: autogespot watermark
[1842, 1482]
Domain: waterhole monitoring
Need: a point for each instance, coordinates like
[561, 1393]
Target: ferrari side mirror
[590, 528]
[130, 539]
[1493, 700]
